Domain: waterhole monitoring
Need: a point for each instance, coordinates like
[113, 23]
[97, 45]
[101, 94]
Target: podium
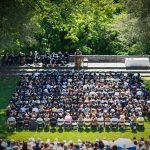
[78, 61]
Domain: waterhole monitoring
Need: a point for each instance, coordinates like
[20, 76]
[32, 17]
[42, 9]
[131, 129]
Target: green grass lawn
[7, 86]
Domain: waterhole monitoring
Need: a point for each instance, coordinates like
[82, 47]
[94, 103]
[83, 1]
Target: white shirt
[23, 109]
[35, 109]
[11, 119]
[36, 74]
[48, 86]
[139, 93]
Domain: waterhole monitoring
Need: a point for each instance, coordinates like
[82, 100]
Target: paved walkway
[89, 64]
[103, 67]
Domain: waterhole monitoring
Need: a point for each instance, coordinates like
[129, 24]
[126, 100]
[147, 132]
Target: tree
[18, 23]
[140, 10]
[94, 26]
[79, 24]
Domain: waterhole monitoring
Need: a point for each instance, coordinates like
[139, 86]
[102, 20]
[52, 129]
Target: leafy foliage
[94, 26]
[140, 12]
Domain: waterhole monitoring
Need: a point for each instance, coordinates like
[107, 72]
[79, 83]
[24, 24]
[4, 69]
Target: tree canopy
[93, 26]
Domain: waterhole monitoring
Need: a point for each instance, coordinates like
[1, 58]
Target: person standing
[78, 58]
[36, 57]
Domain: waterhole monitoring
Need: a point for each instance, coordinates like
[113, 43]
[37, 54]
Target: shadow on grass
[60, 130]
[100, 130]
[121, 130]
[134, 131]
[33, 129]
[94, 129]
[87, 130]
[19, 129]
[46, 129]
[80, 129]
[141, 129]
[4, 130]
[67, 129]
[114, 129]
[53, 130]
[7, 86]
[107, 129]
[39, 129]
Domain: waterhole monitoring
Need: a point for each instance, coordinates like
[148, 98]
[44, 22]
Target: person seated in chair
[53, 120]
[74, 119]
[107, 120]
[122, 120]
[40, 121]
[54, 58]
[68, 118]
[140, 120]
[11, 121]
[26, 121]
[19, 120]
[46, 121]
[94, 121]
[60, 120]
[60, 60]
[32, 124]
[11, 59]
[100, 120]
[78, 59]
[66, 57]
[30, 58]
[133, 121]
[87, 121]
[80, 120]
[114, 121]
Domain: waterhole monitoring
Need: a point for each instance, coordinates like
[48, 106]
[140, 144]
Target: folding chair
[114, 124]
[40, 123]
[87, 123]
[46, 122]
[100, 122]
[140, 123]
[26, 123]
[127, 124]
[80, 123]
[75, 124]
[19, 122]
[53, 122]
[11, 124]
[133, 125]
[107, 123]
[68, 124]
[33, 124]
[121, 124]
[60, 122]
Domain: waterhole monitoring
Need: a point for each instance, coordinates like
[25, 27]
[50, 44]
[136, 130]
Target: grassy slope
[7, 86]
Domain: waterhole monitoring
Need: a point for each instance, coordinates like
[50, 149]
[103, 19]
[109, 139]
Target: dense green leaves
[139, 10]
[94, 26]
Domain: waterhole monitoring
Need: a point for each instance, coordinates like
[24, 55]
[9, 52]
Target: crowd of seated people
[38, 144]
[35, 58]
[76, 99]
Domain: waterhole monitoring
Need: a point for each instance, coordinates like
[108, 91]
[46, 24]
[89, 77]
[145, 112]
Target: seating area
[39, 144]
[76, 99]
[47, 59]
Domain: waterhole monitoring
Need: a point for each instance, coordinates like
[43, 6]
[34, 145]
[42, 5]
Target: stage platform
[90, 66]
